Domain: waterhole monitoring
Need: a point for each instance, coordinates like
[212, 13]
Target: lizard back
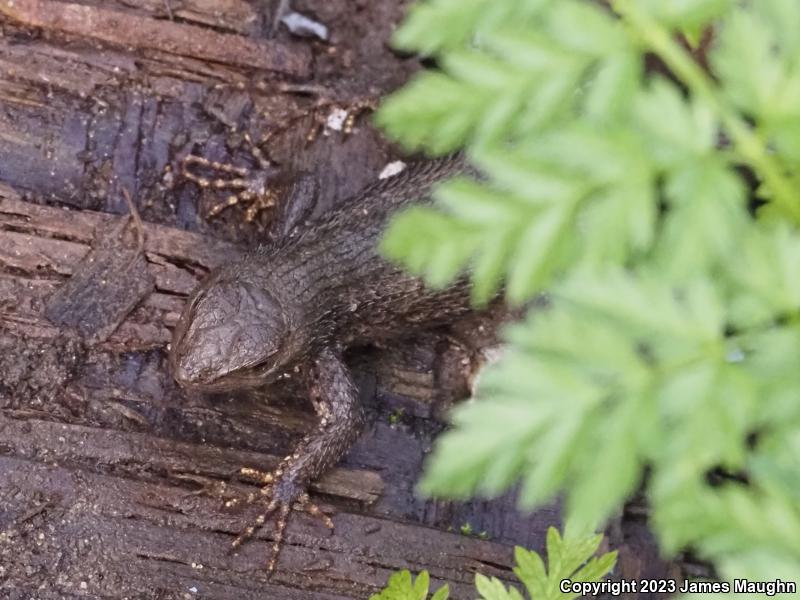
[334, 270]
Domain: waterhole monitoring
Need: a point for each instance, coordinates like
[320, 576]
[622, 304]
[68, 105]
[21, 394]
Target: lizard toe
[280, 496]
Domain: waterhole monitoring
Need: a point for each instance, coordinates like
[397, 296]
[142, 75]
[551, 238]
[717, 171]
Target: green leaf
[782, 17]
[423, 31]
[488, 268]
[493, 589]
[430, 244]
[609, 477]
[531, 570]
[751, 72]
[427, 103]
[443, 593]
[421, 585]
[533, 258]
[706, 220]
[402, 586]
[540, 186]
[769, 356]
[687, 14]
[597, 568]
[613, 87]
[683, 131]
[646, 305]
[766, 269]
[585, 27]
[568, 558]
[440, 24]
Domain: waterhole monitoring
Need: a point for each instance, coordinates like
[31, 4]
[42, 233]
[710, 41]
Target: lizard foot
[247, 187]
[279, 496]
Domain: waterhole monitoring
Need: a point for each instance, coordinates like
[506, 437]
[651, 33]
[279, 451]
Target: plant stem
[681, 63]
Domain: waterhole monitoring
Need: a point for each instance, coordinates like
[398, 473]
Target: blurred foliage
[572, 557]
[658, 209]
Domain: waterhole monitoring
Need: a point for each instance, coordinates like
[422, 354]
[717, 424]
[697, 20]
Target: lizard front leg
[341, 418]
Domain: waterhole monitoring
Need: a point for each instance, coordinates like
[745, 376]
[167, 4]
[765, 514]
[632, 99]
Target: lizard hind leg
[335, 400]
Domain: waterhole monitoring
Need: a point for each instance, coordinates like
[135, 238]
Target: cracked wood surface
[142, 31]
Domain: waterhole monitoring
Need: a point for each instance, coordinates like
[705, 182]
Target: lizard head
[231, 334]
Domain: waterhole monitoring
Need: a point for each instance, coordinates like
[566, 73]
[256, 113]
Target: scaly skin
[301, 302]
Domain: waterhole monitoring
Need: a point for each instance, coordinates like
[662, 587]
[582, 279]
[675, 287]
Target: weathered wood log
[127, 29]
[101, 527]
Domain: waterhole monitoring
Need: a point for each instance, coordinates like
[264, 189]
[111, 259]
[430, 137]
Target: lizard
[301, 301]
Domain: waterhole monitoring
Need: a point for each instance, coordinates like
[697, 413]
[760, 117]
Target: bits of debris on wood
[392, 169]
[302, 26]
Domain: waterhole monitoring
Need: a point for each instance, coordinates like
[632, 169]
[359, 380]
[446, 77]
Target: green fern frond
[571, 557]
[660, 213]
